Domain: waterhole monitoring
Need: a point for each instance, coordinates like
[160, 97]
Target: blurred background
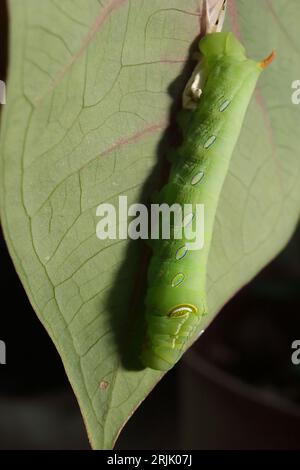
[235, 389]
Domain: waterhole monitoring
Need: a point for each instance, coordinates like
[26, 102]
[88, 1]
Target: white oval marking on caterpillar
[182, 310]
[210, 141]
[187, 219]
[224, 105]
[197, 178]
[185, 222]
[177, 279]
[181, 252]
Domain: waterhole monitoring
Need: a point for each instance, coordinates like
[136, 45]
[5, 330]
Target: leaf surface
[87, 105]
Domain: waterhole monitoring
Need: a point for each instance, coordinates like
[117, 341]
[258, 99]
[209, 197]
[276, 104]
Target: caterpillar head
[216, 45]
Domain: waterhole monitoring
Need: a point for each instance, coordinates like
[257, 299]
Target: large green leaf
[87, 106]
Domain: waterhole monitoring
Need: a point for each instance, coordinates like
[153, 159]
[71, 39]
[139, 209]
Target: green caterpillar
[176, 296]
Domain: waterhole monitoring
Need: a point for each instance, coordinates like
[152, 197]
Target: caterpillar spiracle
[211, 123]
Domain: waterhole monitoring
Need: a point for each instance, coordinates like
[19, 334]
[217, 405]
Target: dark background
[237, 388]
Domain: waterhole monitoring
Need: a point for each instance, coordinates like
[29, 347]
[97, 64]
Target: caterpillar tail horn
[268, 60]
